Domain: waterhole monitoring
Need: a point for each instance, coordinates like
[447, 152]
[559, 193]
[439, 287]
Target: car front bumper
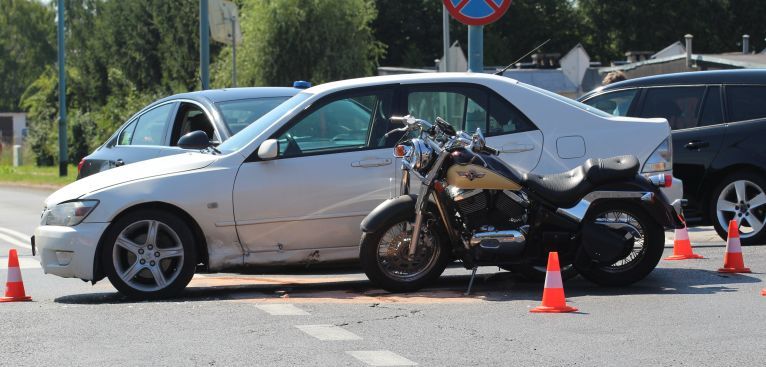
[69, 252]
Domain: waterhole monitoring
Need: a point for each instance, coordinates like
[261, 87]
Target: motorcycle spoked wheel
[384, 254]
[647, 249]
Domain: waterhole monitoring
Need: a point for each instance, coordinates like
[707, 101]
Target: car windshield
[249, 133]
[569, 101]
[239, 113]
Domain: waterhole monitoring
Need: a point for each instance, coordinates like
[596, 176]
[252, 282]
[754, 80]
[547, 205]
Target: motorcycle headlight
[661, 159]
[419, 155]
[69, 213]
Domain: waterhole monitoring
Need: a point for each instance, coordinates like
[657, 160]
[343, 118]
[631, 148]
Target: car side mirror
[194, 140]
[269, 149]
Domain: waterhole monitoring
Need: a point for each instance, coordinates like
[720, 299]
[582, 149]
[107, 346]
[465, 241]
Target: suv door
[468, 107]
[694, 114]
[142, 138]
[333, 167]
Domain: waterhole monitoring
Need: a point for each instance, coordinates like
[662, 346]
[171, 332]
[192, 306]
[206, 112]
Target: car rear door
[468, 107]
[696, 119]
[333, 168]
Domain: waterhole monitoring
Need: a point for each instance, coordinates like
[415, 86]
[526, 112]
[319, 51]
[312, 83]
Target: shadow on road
[496, 287]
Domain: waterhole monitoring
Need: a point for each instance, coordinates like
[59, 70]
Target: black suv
[718, 120]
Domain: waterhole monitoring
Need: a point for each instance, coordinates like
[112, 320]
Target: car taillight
[79, 165]
[661, 159]
[664, 180]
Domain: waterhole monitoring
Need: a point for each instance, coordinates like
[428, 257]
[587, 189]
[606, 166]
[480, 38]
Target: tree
[315, 40]
[27, 32]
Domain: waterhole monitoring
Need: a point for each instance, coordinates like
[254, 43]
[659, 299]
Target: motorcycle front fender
[386, 210]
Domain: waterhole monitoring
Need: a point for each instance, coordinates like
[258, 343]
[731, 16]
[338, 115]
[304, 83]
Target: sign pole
[476, 48]
[204, 45]
[62, 93]
[233, 52]
[445, 37]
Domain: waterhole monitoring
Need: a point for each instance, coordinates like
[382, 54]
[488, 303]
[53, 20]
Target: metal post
[204, 44]
[62, 93]
[476, 48]
[688, 39]
[745, 44]
[445, 38]
[233, 52]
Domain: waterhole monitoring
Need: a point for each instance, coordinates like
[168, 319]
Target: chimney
[745, 44]
[688, 38]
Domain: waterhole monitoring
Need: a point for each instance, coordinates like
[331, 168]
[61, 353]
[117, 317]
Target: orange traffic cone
[14, 287]
[553, 294]
[732, 261]
[682, 247]
[763, 292]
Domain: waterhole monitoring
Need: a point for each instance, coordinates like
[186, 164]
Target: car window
[466, 109]
[745, 102]
[614, 103]
[711, 109]
[338, 125]
[127, 133]
[679, 105]
[191, 118]
[240, 113]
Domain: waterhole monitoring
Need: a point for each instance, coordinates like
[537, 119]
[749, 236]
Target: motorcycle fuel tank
[472, 171]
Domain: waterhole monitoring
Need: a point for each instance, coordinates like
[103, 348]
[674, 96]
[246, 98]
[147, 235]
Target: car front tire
[149, 254]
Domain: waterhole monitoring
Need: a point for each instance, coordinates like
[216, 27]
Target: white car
[293, 186]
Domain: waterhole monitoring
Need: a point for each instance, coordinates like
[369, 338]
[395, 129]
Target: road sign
[574, 64]
[224, 22]
[477, 12]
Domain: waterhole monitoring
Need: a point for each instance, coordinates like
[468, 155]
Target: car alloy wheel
[744, 201]
[148, 255]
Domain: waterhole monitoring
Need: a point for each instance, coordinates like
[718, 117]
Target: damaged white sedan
[292, 187]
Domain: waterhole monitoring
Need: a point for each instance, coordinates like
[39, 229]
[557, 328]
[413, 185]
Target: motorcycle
[604, 219]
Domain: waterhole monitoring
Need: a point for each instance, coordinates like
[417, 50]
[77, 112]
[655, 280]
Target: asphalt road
[683, 314]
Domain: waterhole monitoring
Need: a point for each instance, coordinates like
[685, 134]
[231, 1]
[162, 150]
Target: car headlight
[661, 159]
[69, 213]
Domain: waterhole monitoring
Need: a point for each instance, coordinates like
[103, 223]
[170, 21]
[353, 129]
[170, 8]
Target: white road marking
[381, 358]
[282, 309]
[24, 263]
[21, 236]
[328, 332]
[13, 241]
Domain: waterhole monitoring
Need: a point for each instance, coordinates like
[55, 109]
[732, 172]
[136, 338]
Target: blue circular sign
[477, 12]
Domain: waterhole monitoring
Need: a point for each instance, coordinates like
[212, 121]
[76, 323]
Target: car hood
[131, 172]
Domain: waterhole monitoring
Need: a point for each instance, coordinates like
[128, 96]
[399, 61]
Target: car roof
[230, 94]
[736, 76]
[408, 79]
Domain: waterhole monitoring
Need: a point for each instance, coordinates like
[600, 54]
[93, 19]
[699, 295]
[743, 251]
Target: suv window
[614, 103]
[711, 110]
[343, 124]
[679, 105]
[466, 109]
[745, 102]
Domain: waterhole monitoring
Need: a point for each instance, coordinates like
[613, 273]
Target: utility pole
[204, 44]
[445, 37]
[62, 93]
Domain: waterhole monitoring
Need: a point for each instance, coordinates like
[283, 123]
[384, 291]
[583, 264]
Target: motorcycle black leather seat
[567, 188]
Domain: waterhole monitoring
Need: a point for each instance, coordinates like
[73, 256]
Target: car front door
[333, 167]
[468, 107]
[142, 138]
[695, 117]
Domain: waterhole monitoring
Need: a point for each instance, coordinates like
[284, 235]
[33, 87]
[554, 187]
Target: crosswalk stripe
[328, 332]
[381, 358]
[282, 309]
[10, 232]
[24, 263]
[13, 241]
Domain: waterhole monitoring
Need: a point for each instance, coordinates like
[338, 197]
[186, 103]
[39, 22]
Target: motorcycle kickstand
[470, 283]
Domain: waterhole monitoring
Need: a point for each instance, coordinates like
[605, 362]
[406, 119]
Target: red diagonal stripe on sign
[461, 5]
[492, 5]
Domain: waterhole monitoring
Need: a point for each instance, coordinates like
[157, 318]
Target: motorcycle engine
[482, 208]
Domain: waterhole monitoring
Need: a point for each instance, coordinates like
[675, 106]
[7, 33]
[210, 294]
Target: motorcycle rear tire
[639, 267]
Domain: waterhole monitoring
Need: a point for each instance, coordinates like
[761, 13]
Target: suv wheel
[741, 196]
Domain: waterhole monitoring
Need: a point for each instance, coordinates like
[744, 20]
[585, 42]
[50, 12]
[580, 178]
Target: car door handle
[516, 148]
[119, 162]
[696, 144]
[372, 163]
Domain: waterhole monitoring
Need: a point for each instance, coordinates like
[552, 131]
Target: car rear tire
[740, 196]
[149, 254]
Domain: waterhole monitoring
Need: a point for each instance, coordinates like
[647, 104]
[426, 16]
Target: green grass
[36, 176]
